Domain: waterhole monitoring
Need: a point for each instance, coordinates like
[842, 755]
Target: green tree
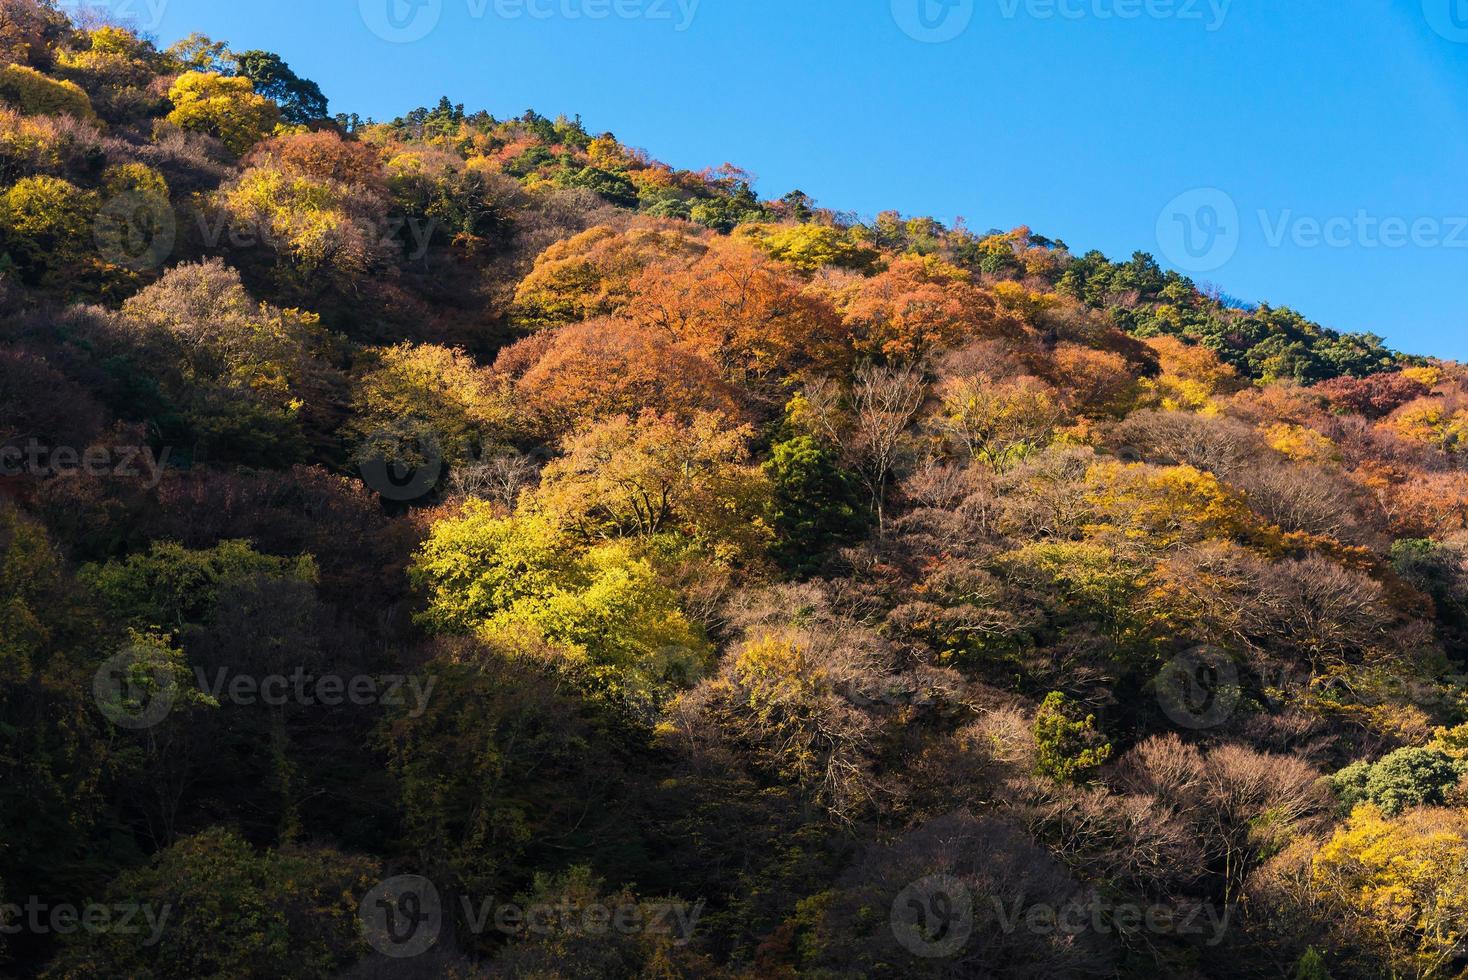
[1408, 777]
[817, 504]
[1311, 966]
[614, 187]
[213, 907]
[300, 99]
[1068, 747]
[503, 769]
[171, 586]
[52, 758]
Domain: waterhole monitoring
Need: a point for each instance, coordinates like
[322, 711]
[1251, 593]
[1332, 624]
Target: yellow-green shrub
[37, 95]
[313, 225]
[116, 58]
[26, 143]
[135, 178]
[46, 222]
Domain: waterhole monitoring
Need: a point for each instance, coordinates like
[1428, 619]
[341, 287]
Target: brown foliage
[1098, 383]
[323, 156]
[1374, 397]
[920, 306]
[747, 313]
[593, 273]
[589, 371]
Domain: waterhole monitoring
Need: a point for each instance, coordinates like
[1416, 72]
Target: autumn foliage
[733, 554]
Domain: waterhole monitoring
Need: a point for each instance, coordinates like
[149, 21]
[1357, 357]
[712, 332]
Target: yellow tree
[47, 222]
[314, 226]
[416, 399]
[809, 247]
[38, 95]
[1434, 421]
[653, 474]
[1162, 507]
[600, 611]
[225, 107]
[999, 422]
[1402, 884]
[1191, 376]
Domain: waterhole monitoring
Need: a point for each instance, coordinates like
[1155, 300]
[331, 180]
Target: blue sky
[1311, 153]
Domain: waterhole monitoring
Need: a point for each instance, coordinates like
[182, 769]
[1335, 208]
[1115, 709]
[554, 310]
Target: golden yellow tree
[225, 107]
[1402, 884]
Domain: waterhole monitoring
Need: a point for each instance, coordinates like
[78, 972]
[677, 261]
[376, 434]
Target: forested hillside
[469, 547]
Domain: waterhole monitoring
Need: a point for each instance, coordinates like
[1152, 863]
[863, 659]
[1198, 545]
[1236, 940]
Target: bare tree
[1302, 497]
[499, 479]
[1218, 444]
[884, 402]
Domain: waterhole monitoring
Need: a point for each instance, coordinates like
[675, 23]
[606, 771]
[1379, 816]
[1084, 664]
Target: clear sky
[1311, 153]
